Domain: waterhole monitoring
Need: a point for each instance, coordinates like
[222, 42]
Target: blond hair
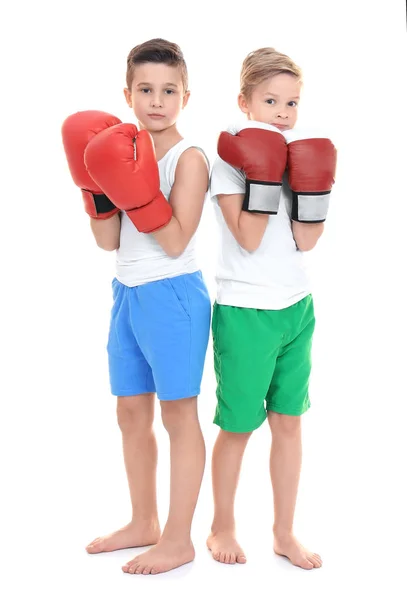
[262, 64]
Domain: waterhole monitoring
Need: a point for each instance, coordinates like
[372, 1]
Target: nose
[156, 100]
[282, 114]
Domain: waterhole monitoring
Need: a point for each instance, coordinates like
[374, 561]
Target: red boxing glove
[311, 172]
[259, 150]
[77, 131]
[132, 183]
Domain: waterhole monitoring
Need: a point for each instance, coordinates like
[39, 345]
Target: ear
[242, 102]
[185, 99]
[127, 95]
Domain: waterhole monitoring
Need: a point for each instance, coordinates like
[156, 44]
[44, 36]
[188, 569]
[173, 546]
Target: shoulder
[192, 171]
[183, 156]
[192, 161]
[194, 157]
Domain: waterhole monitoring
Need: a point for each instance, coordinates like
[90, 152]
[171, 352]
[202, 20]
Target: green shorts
[262, 362]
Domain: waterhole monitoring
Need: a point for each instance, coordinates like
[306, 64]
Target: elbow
[109, 246]
[305, 242]
[305, 245]
[250, 247]
[174, 246]
[175, 251]
[306, 235]
[249, 244]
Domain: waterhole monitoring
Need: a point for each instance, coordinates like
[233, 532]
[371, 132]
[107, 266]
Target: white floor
[361, 561]
[70, 487]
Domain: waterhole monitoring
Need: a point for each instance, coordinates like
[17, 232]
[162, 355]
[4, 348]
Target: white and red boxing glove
[122, 161]
[260, 151]
[77, 131]
[311, 172]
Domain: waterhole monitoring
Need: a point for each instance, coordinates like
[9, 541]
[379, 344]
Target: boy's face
[274, 101]
[157, 95]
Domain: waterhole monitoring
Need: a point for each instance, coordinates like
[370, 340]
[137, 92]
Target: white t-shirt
[140, 258]
[273, 276]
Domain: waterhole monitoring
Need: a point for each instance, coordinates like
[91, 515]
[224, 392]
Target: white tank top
[140, 258]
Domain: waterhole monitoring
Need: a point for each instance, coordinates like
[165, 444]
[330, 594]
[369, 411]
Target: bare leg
[175, 547]
[135, 417]
[285, 468]
[226, 464]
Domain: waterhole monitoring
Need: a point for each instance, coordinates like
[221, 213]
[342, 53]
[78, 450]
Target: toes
[228, 558]
[139, 569]
[131, 567]
[316, 560]
[146, 571]
[306, 564]
[93, 542]
[95, 546]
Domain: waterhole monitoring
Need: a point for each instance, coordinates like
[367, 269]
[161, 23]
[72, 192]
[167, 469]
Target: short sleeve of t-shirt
[225, 179]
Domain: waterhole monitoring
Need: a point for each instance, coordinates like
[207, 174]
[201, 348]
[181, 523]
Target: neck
[165, 139]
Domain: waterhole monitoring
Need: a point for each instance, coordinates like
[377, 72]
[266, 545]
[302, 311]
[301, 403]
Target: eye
[169, 91]
[145, 90]
[270, 101]
[293, 103]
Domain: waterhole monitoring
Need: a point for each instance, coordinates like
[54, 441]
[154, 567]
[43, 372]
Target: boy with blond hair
[270, 185]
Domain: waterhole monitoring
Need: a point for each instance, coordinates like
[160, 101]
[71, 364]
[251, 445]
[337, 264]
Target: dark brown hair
[156, 50]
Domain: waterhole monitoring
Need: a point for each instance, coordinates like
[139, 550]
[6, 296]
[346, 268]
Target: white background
[63, 480]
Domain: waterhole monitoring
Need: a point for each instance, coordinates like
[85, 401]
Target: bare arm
[107, 232]
[306, 235]
[187, 200]
[247, 228]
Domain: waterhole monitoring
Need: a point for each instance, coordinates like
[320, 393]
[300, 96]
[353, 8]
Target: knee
[178, 414]
[135, 415]
[234, 439]
[285, 425]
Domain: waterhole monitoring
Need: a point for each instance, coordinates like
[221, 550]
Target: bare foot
[225, 549]
[165, 556]
[133, 535]
[287, 545]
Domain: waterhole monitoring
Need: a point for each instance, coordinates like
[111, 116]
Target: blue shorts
[158, 337]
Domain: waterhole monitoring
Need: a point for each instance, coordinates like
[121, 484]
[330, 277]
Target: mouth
[156, 116]
[280, 126]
